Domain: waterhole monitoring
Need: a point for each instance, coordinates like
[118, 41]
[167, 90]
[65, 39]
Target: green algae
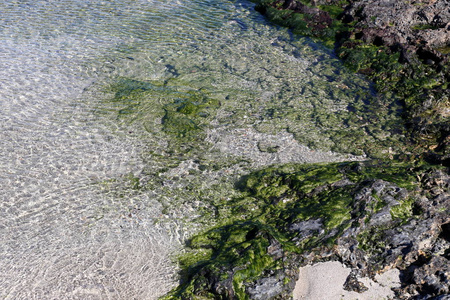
[333, 207]
[188, 114]
[235, 252]
[274, 181]
[178, 110]
[333, 111]
[376, 205]
[403, 211]
[359, 57]
[423, 27]
[372, 240]
[304, 23]
[409, 82]
[234, 246]
[243, 245]
[403, 174]
[334, 10]
[444, 50]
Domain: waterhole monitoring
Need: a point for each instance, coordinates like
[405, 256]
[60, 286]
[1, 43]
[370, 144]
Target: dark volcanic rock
[273, 287]
[380, 238]
[433, 277]
[352, 284]
[295, 215]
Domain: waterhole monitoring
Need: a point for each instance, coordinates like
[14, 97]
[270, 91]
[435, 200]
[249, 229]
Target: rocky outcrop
[380, 238]
[410, 24]
[360, 214]
[419, 31]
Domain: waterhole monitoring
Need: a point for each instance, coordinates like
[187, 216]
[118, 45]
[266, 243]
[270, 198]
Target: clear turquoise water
[93, 205]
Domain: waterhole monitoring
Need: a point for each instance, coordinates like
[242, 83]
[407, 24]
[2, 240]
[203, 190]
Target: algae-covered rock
[293, 215]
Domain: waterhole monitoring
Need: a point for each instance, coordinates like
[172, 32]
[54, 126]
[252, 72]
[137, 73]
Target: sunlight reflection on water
[71, 223]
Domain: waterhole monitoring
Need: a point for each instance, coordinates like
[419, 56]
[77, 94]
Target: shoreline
[382, 214]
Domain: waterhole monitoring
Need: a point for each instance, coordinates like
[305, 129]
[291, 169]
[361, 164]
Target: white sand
[325, 281]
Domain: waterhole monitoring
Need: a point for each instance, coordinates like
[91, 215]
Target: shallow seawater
[121, 119]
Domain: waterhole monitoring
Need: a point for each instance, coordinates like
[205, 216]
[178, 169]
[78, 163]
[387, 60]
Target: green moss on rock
[257, 231]
[403, 211]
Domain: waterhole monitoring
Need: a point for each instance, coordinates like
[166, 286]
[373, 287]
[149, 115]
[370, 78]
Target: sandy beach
[325, 281]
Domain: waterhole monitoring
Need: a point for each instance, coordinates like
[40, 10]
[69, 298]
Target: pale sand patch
[325, 281]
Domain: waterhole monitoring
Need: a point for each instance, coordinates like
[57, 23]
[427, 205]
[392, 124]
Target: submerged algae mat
[264, 80]
[244, 216]
[200, 137]
[240, 94]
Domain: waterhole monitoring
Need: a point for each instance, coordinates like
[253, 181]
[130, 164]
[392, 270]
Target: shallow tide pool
[121, 120]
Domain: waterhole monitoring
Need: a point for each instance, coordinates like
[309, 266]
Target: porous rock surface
[354, 213]
[407, 23]
[376, 241]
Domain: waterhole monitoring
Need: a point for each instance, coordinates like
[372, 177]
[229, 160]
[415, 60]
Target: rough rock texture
[295, 215]
[420, 32]
[376, 241]
[403, 23]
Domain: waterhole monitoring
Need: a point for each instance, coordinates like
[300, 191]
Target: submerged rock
[402, 46]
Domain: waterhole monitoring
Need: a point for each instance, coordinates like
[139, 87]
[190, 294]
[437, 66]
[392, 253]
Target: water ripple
[72, 223]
